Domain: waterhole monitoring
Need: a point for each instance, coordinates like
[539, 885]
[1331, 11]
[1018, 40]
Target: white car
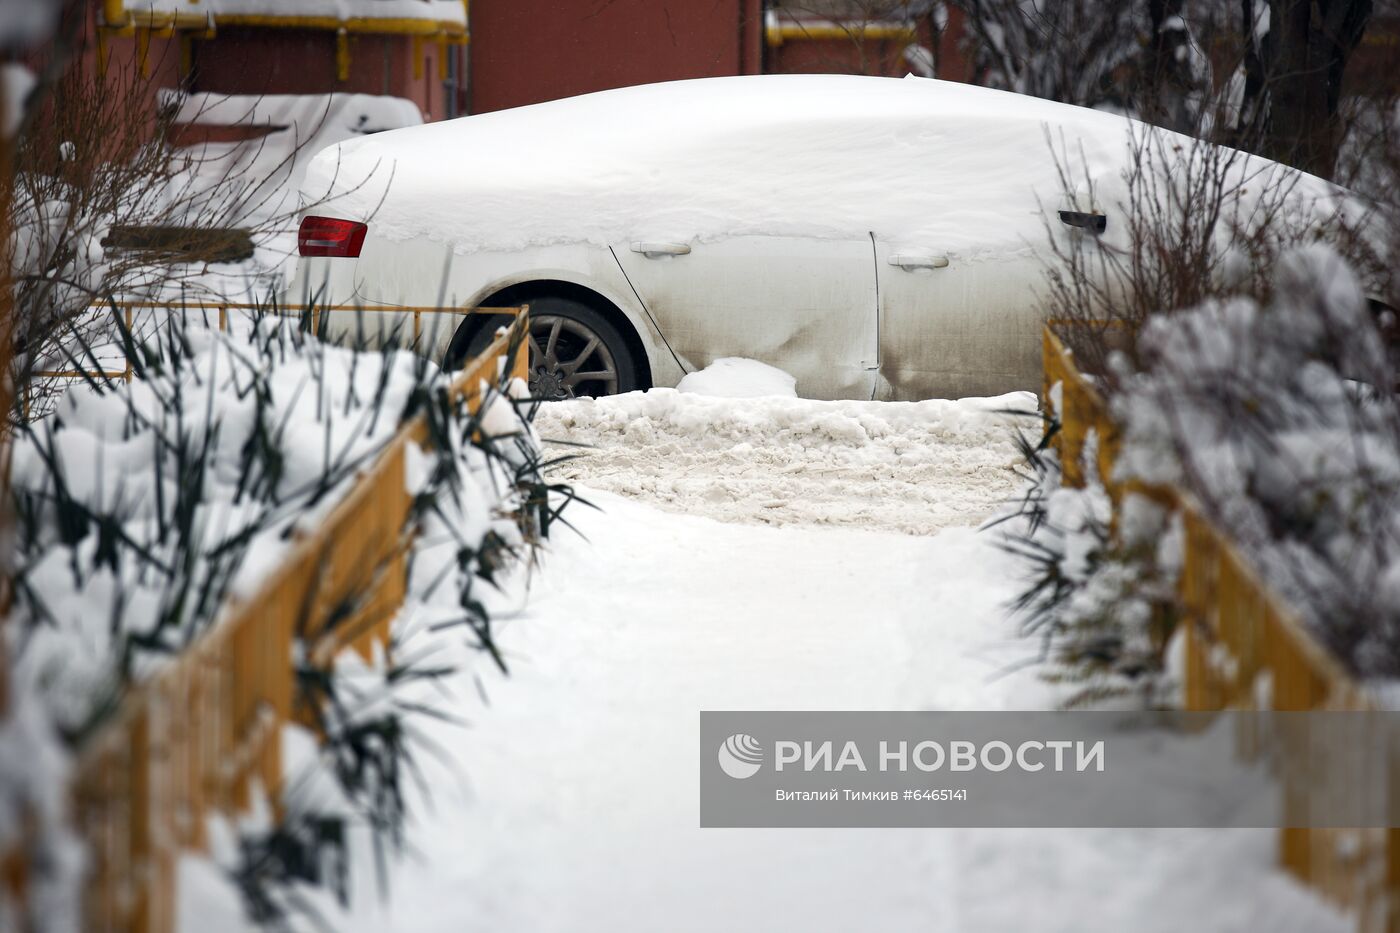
[874, 237]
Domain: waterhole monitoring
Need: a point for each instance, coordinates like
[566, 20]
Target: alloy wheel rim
[568, 359]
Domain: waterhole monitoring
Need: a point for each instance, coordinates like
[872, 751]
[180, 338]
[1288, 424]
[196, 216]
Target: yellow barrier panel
[193, 739]
[1237, 631]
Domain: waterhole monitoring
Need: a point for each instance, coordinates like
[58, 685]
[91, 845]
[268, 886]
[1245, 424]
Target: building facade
[413, 49]
[452, 57]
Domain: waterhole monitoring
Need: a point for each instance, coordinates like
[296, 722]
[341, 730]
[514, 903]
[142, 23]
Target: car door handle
[1094, 223]
[910, 263]
[655, 250]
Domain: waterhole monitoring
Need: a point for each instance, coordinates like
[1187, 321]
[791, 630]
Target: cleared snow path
[570, 802]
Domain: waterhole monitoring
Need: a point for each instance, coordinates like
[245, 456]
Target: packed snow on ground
[913, 467]
[564, 796]
[735, 377]
[569, 801]
[918, 162]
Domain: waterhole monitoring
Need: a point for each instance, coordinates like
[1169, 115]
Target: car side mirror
[1093, 223]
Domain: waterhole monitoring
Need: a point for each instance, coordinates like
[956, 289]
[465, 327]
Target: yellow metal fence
[193, 739]
[198, 20]
[1236, 631]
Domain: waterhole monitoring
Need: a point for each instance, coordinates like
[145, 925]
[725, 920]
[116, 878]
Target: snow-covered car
[873, 237]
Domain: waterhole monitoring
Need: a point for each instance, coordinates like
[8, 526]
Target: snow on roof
[962, 170]
[930, 163]
[449, 11]
[306, 113]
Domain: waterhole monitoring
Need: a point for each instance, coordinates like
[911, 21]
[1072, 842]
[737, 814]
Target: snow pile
[903, 466]
[918, 162]
[735, 377]
[1281, 421]
[306, 116]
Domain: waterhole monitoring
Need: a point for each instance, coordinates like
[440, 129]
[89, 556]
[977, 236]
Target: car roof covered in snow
[934, 164]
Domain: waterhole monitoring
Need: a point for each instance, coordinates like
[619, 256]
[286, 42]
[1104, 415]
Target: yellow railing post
[521, 364]
[128, 373]
[342, 54]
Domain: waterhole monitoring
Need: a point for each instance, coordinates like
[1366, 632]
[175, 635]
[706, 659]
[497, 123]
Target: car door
[952, 327]
[805, 305]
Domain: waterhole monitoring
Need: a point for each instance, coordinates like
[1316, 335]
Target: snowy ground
[913, 467]
[570, 801]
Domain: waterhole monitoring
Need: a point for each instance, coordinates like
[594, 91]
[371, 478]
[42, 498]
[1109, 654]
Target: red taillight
[327, 236]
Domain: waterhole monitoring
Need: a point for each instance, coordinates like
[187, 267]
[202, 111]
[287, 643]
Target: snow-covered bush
[1186, 221]
[1370, 166]
[138, 508]
[1097, 597]
[1279, 419]
[141, 507]
[1233, 322]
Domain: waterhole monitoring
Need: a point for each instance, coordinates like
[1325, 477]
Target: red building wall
[256, 61]
[527, 51]
[289, 61]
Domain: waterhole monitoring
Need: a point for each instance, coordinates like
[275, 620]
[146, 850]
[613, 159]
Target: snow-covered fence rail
[1245, 646]
[221, 314]
[198, 736]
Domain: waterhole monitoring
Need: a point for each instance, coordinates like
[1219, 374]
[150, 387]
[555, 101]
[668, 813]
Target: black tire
[563, 353]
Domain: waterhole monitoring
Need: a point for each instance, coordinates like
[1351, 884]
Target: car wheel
[574, 351]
